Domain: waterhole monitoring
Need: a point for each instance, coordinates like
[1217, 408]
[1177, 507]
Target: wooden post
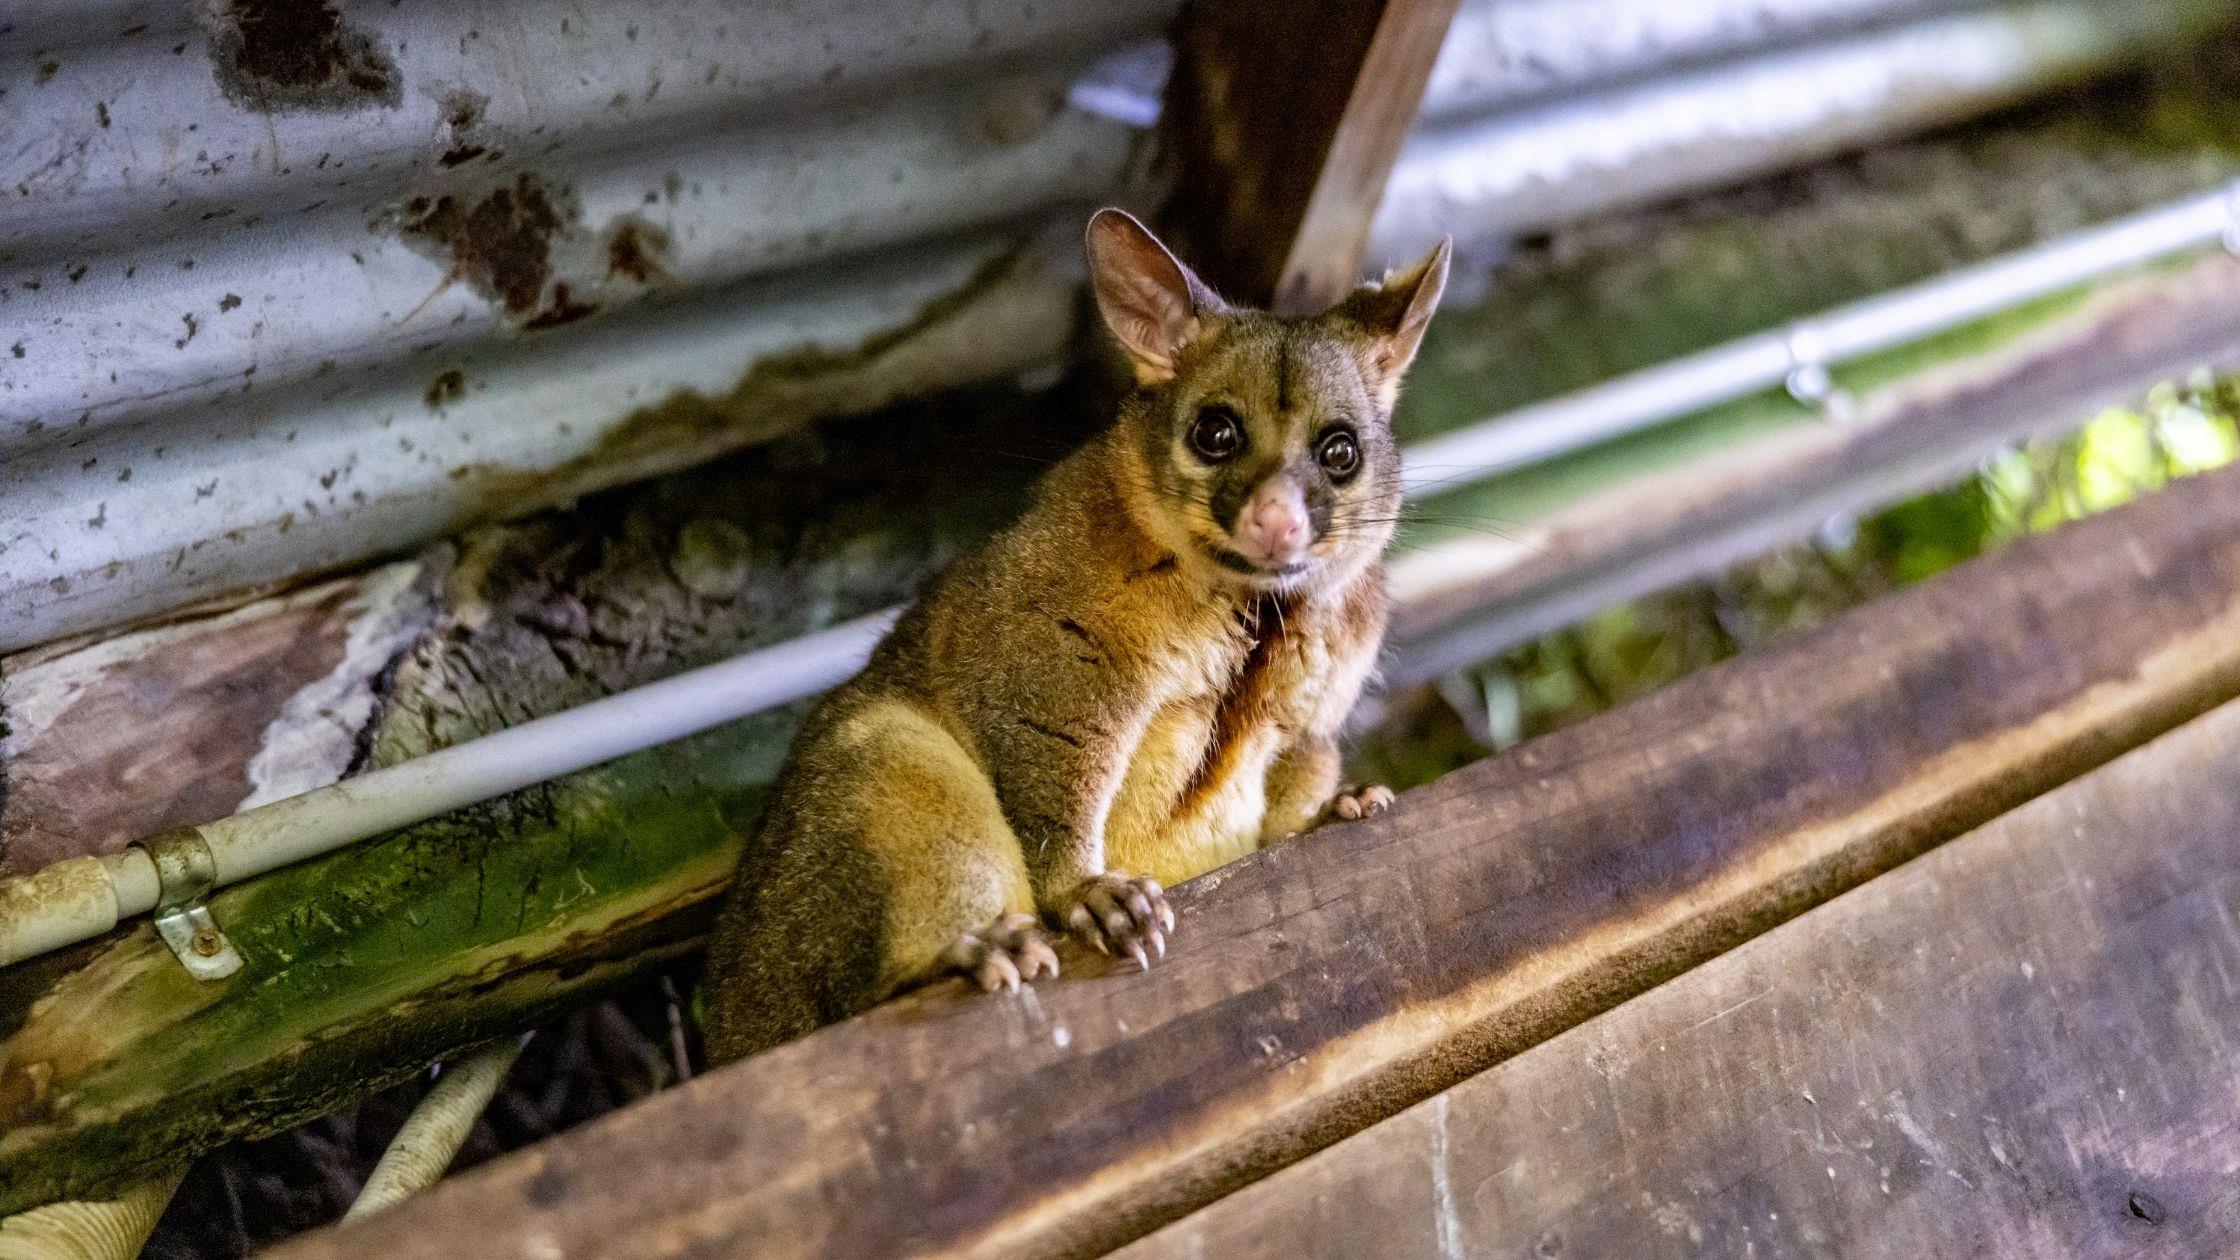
[1326, 983]
[1281, 124]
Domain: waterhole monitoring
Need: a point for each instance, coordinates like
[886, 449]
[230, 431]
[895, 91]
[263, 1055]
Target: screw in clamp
[186, 871]
[1808, 380]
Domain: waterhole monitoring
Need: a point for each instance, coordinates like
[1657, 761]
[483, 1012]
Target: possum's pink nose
[1272, 530]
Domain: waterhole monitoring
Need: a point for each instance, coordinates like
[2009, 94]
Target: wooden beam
[1324, 984]
[2021, 1045]
[1279, 130]
[121, 738]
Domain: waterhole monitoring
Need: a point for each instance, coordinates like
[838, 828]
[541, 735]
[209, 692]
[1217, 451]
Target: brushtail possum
[1141, 679]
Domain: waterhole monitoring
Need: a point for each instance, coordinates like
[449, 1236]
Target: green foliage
[1635, 648]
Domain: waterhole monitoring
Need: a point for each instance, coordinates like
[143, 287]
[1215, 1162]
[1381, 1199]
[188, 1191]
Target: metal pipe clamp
[186, 872]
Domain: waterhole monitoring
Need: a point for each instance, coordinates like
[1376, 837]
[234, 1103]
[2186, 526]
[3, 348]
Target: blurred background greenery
[1420, 733]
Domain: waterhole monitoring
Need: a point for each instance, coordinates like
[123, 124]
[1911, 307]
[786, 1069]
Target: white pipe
[66, 903]
[1738, 369]
[315, 822]
[83, 897]
[432, 1135]
[98, 1229]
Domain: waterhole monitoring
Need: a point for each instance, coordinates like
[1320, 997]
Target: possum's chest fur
[1195, 793]
[1171, 818]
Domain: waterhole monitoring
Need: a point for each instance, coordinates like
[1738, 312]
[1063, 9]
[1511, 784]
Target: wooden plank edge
[2008, 1047]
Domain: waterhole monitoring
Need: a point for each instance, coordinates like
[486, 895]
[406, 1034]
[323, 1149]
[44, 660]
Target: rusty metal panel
[286, 286]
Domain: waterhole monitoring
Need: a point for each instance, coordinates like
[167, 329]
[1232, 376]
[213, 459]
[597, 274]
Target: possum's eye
[1216, 434]
[1339, 453]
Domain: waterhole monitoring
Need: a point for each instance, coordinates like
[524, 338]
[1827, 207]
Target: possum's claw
[1358, 802]
[1008, 952]
[1122, 914]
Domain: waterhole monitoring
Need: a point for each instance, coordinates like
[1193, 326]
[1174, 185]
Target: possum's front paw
[1012, 949]
[1358, 802]
[1122, 914]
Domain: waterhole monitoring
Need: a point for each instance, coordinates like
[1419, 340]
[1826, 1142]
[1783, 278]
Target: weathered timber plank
[182, 723]
[2020, 1046]
[1279, 131]
[1324, 984]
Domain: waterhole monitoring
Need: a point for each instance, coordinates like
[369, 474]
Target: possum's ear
[1393, 314]
[1150, 301]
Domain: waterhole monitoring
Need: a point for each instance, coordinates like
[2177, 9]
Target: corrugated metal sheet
[290, 286]
[1503, 154]
[1502, 55]
[287, 285]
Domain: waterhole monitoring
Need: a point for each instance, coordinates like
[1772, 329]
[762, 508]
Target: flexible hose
[105, 1229]
[436, 1129]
